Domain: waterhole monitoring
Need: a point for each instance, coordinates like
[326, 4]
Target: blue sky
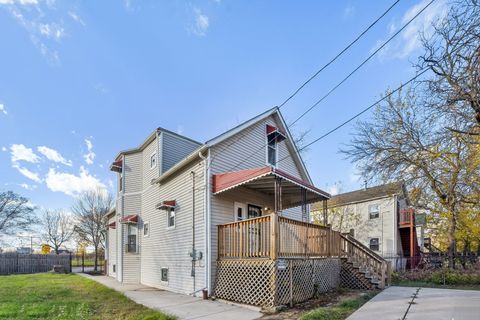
[80, 81]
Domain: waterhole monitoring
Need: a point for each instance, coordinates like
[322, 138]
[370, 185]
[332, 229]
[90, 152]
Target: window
[171, 218]
[373, 211]
[272, 151]
[254, 211]
[113, 268]
[131, 239]
[153, 160]
[121, 182]
[146, 229]
[165, 274]
[374, 244]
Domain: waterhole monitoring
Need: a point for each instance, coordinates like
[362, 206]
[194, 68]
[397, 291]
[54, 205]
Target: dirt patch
[324, 300]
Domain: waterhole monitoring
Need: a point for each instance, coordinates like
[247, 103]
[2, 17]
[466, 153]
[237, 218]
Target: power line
[344, 79]
[363, 63]
[326, 65]
[338, 55]
[348, 120]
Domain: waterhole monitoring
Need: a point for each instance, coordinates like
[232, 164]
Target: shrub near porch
[60, 296]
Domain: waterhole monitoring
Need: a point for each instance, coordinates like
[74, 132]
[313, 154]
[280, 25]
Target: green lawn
[340, 310]
[66, 296]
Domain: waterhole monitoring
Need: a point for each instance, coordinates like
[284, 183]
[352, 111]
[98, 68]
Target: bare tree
[16, 214]
[406, 141]
[90, 210]
[452, 52]
[57, 228]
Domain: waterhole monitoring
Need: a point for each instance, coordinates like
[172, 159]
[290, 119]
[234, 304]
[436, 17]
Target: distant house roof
[362, 195]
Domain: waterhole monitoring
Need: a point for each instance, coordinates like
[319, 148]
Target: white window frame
[266, 152]
[369, 211]
[239, 205]
[153, 156]
[146, 223]
[370, 243]
[132, 230]
[170, 210]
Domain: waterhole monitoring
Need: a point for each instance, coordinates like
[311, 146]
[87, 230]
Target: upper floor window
[120, 186]
[373, 211]
[170, 218]
[374, 244]
[272, 151]
[153, 160]
[131, 239]
[146, 229]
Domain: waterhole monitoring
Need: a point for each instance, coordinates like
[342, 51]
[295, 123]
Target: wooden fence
[16, 263]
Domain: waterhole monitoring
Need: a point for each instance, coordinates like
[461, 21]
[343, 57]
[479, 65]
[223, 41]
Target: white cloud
[75, 17]
[71, 184]
[90, 155]
[19, 152]
[21, 2]
[201, 24]
[4, 149]
[51, 30]
[333, 190]
[180, 129]
[27, 173]
[53, 155]
[28, 186]
[2, 107]
[408, 41]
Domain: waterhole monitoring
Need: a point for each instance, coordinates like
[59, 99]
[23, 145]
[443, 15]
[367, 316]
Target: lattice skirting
[351, 278]
[268, 283]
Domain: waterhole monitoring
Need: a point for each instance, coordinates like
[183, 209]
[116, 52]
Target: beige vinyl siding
[150, 173]
[112, 246]
[170, 247]
[248, 146]
[133, 172]
[175, 149]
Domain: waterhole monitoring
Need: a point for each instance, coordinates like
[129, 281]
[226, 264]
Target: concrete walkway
[182, 306]
[394, 303]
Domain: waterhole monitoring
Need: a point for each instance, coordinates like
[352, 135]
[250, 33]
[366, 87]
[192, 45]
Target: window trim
[370, 244]
[154, 154]
[266, 152]
[169, 210]
[146, 223]
[129, 229]
[377, 212]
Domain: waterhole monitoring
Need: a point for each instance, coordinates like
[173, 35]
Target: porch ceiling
[263, 180]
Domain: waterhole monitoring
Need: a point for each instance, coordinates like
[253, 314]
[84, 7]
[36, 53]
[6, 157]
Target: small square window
[165, 274]
[171, 218]
[272, 152]
[146, 229]
[153, 161]
[374, 244]
[373, 211]
[113, 268]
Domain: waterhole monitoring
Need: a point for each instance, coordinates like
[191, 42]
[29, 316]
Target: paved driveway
[183, 306]
[395, 303]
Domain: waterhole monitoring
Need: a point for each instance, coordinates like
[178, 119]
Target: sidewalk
[182, 306]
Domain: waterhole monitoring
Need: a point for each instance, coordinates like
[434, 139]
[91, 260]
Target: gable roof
[275, 111]
[362, 195]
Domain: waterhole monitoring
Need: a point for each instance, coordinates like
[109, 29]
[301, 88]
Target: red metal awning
[116, 166]
[167, 204]
[275, 133]
[133, 218]
[262, 180]
[112, 225]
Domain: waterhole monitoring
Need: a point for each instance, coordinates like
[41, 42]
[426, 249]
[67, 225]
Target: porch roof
[263, 180]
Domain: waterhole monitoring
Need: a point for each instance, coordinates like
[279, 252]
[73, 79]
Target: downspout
[121, 224]
[395, 224]
[206, 217]
[194, 253]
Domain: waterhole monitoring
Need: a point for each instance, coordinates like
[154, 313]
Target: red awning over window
[275, 133]
[112, 225]
[167, 204]
[133, 218]
[116, 166]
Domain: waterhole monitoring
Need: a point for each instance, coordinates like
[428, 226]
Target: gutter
[193, 156]
[206, 217]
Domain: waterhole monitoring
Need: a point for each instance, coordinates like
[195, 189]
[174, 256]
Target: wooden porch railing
[276, 237]
[366, 259]
[406, 217]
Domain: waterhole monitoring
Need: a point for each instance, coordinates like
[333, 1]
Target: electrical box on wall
[196, 255]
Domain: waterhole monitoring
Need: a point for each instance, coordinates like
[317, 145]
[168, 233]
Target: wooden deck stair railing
[366, 261]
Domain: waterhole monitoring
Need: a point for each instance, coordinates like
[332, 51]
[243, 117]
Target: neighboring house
[24, 250]
[380, 217]
[187, 212]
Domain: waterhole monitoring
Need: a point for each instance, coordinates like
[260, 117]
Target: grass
[340, 310]
[66, 296]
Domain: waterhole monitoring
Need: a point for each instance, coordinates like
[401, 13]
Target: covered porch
[272, 259]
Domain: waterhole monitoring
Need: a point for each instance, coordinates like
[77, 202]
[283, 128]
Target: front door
[240, 211]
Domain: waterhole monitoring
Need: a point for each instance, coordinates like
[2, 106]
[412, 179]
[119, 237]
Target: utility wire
[344, 79]
[324, 66]
[338, 55]
[346, 121]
